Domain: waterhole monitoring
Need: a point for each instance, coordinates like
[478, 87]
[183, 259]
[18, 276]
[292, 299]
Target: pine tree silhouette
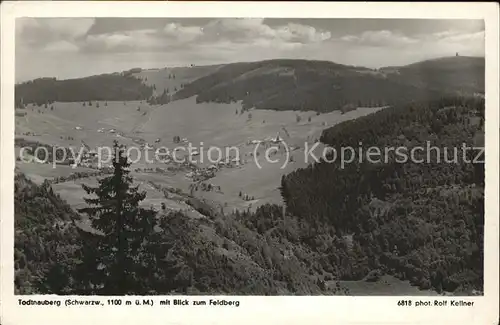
[127, 257]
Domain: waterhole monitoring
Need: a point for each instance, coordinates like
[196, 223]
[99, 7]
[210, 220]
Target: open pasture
[223, 125]
[39, 172]
[203, 125]
[74, 194]
[173, 78]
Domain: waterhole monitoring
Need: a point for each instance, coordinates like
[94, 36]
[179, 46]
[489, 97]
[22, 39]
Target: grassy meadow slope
[173, 79]
[210, 124]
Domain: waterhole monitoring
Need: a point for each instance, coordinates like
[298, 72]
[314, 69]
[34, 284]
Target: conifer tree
[127, 257]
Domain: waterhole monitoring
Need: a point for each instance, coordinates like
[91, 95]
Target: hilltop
[456, 74]
[326, 86]
[116, 86]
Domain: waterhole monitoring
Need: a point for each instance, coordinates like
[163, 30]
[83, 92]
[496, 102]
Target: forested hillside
[101, 87]
[299, 85]
[257, 253]
[326, 86]
[419, 221]
[458, 74]
[45, 238]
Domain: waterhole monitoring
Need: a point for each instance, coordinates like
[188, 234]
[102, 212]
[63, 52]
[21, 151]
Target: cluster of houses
[33, 134]
[206, 187]
[269, 140]
[201, 174]
[101, 130]
[89, 157]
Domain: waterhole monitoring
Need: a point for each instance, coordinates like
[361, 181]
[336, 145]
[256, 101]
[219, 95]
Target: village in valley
[245, 139]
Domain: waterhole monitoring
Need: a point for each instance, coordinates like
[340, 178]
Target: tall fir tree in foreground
[128, 257]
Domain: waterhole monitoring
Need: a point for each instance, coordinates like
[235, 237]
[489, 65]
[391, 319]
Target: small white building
[277, 139]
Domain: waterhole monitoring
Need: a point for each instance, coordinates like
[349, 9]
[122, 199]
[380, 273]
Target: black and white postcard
[217, 163]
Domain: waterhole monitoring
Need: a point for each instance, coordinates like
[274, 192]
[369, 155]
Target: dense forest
[46, 238]
[101, 87]
[326, 86]
[457, 74]
[419, 221]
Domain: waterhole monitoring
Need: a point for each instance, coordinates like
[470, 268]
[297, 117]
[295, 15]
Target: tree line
[106, 87]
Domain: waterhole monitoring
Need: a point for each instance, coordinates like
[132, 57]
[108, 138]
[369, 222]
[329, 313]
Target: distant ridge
[278, 84]
[463, 75]
[440, 60]
[325, 86]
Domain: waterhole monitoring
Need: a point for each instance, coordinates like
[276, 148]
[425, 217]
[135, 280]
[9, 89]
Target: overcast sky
[75, 47]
